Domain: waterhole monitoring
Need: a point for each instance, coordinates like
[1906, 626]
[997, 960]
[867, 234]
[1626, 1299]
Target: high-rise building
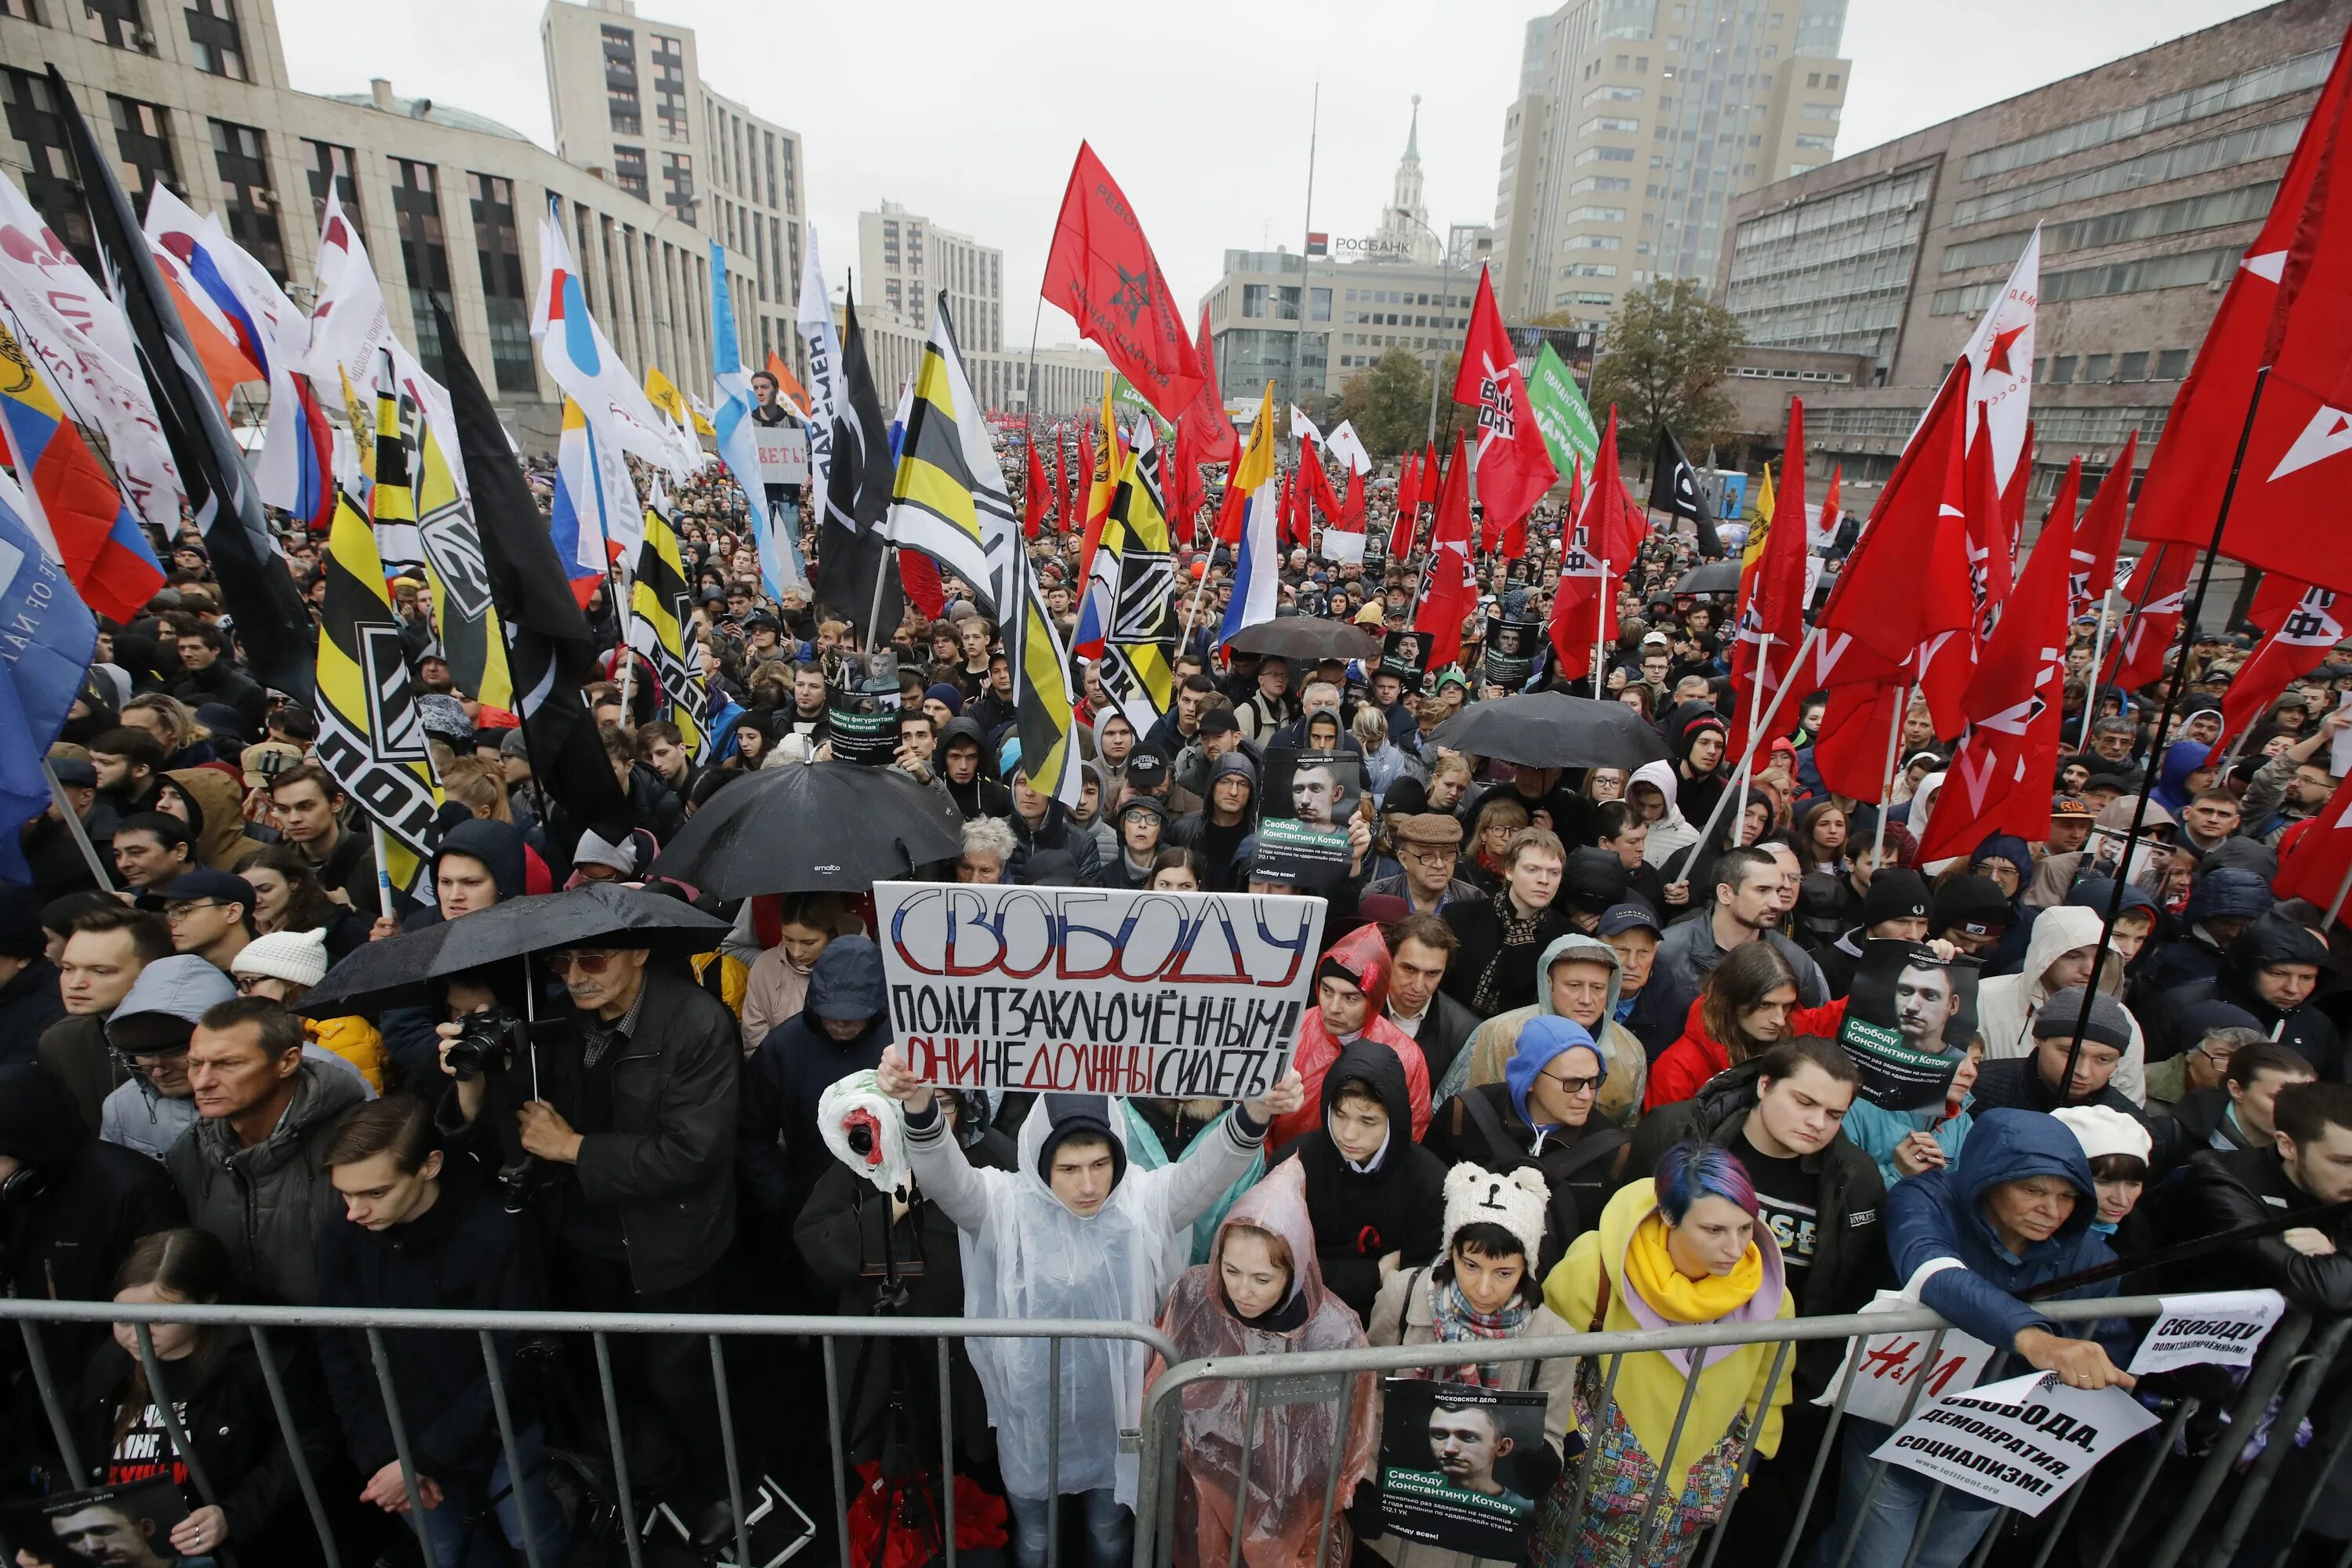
[903, 263]
[630, 102]
[1636, 123]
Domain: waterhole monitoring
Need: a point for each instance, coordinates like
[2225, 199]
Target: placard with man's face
[127, 1526]
[1910, 1017]
[1460, 1465]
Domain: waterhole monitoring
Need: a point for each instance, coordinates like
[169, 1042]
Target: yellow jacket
[1650, 1386]
[354, 1039]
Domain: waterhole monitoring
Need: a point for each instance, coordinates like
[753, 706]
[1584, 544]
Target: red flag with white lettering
[1448, 592]
[1515, 466]
[2315, 854]
[2304, 629]
[2159, 586]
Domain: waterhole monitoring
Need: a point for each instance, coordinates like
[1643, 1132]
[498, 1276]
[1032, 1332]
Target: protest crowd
[1673, 1030]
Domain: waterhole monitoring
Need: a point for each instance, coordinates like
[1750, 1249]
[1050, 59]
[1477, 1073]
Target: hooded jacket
[1364, 954]
[268, 1202]
[1362, 1217]
[1735, 1381]
[408, 1036]
[1498, 1039]
[2008, 1005]
[1057, 831]
[135, 1115]
[2181, 759]
[1672, 836]
[2271, 940]
[221, 841]
[1694, 1060]
[2220, 892]
[983, 796]
[1026, 1255]
[778, 1150]
[1947, 1255]
[1213, 843]
[1288, 1447]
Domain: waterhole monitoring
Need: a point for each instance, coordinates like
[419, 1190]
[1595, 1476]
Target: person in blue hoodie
[2180, 774]
[840, 1029]
[2008, 861]
[2016, 1210]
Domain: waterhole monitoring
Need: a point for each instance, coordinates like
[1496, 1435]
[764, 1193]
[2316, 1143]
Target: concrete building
[2148, 176]
[1069, 376]
[1636, 123]
[903, 262]
[630, 104]
[1309, 323]
[448, 201]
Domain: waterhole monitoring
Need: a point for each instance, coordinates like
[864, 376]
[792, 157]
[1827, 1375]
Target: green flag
[1561, 413]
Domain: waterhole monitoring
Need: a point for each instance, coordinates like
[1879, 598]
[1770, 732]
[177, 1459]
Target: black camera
[487, 1041]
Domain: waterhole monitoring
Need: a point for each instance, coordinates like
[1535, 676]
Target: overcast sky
[969, 114]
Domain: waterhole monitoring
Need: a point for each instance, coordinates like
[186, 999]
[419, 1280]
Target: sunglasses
[1575, 1088]
[586, 963]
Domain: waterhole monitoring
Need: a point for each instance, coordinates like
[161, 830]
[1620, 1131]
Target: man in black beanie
[1896, 905]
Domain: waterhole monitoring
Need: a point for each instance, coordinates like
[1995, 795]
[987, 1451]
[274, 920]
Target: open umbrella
[585, 916]
[813, 827]
[1714, 577]
[391, 973]
[1306, 637]
[1552, 730]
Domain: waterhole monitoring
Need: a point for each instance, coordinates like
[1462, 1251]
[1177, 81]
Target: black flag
[1674, 487]
[271, 622]
[550, 649]
[851, 548]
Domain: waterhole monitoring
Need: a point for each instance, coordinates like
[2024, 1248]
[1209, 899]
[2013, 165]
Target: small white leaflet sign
[2019, 1443]
[2219, 1328]
[1886, 1365]
[783, 453]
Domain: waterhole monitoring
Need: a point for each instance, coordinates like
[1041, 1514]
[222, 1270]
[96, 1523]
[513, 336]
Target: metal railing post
[1748, 1456]
[284, 1409]
[836, 1437]
[51, 1406]
[623, 1498]
[2292, 1406]
[1592, 1448]
[504, 1413]
[1666, 1462]
[2269, 1374]
[1828, 1447]
[400, 1448]
[172, 1428]
[2181, 1413]
[947, 1449]
[1878, 1471]
[1338, 1457]
[1053, 1454]
[727, 1446]
[1241, 1490]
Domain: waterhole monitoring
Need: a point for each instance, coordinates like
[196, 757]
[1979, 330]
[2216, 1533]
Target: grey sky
[971, 113]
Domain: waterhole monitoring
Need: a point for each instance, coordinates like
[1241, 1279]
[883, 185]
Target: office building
[1635, 123]
[903, 263]
[1308, 324]
[2147, 177]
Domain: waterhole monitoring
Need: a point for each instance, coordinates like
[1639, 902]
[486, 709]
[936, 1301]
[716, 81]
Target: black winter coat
[1482, 1126]
[1479, 926]
[29, 1003]
[1359, 1219]
[779, 1152]
[2217, 1192]
[2273, 939]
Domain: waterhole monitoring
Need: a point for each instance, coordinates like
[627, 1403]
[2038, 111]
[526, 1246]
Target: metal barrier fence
[2298, 1357]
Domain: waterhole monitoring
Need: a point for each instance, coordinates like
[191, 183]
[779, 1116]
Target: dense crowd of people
[1572, 1065]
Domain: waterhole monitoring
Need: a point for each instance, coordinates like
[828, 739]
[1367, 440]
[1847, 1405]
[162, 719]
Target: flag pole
[81, 835]
[2098, 655]
[2194, 611]
[1600, 626]
[1764, 666]
[1747, 759]
[382, 871]
[1886, 785]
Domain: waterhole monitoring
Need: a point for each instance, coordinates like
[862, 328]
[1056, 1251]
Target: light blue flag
[777, 531]
[44, 658]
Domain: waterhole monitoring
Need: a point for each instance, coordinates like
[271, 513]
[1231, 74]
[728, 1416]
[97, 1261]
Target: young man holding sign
[1071, 1233]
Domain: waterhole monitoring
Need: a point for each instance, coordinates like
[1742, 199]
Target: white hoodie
[1672, 834]
[2007, 1004]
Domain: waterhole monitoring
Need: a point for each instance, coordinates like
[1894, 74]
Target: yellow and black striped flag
[660, 612]
[1126, 622]
[948, 499]
[371, 731]
[1043, 713]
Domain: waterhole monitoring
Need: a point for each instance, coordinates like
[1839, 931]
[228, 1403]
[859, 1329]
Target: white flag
[584, 363]
[1344, 444]
[824, 340]
[1302, 427]
[2001, 361]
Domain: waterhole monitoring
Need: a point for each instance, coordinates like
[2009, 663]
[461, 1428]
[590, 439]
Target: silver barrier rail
[1322, 1375]
[490, 1328]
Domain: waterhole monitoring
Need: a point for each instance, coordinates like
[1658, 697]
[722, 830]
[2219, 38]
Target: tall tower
[1405, 223]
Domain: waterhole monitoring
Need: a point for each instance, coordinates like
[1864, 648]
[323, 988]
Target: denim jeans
[1110, 1529]
[1883, 1535]
[461, 1535]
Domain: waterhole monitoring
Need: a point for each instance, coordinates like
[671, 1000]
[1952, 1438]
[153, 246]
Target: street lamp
[1446, 265]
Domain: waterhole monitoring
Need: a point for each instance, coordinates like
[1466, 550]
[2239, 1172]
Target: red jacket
[1365, 954]
[1682, 1069]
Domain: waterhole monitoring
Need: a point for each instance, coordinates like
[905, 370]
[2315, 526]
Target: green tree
[1389, 403]
[1662, 362]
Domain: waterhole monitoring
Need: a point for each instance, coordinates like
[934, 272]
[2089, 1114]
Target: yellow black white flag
[660, 610]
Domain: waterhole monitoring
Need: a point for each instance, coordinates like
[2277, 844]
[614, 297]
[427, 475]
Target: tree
[1389, 403]
[1662, 362]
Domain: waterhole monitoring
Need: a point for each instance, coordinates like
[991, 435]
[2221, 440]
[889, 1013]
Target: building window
[119, 23]
[497, 246]
[424, 255]
[1318, 304]
[324, 160]
[248, 201]
[669, 86]
[629, 172]
[2173, 365]
[677, 184]
[2062, 370]
[619, 45]
[143, 136]
[213, 39]
[2132, 367]
[48, 177]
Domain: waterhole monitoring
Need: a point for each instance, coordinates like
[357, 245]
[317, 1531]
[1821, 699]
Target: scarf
[1516, 930]
[1650, 1273]
[1458, 1322]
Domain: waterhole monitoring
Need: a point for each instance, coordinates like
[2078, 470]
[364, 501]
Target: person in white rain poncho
[1072, 1234]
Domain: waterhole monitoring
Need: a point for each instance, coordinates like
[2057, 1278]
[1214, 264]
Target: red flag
[1602, 538]
[1213, 439]
[1181, 487]
[2000, 776]
[787, 382]
[1830, 503]
[1314, 485]
[2293, 469]
[2159, 586]
[1406, 499]
[1857, 727]
[1033, 508]
[1232, 512]
[1351, 513]
[2102, 535]
[1448, 592]
[918, 575]
[1515, 466]
[2316, 854]
[1408, 512]
[1575, 488]
[1772, 600]
[1101, 270]
[2304, 629]
[1515, 540]
[1062, 490]
[1952, 665]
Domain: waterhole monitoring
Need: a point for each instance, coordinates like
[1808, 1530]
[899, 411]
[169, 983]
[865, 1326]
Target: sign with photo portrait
[1461, 1466]
[1908, 1019]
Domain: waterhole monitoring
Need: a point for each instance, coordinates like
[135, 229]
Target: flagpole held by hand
[383, 869]
[1747, 759]
[81, 835]
[1887, 788]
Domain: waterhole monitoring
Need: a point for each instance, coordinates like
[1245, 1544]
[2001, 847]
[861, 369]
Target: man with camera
[627, 1110]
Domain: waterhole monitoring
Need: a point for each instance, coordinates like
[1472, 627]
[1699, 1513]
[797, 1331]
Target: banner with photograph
[116, 1527]
[1462, 1466]
[1908, 1019]
[1302, 829]
[870, 738]
[1406, 654]
[1511, 648]
[1177, 996]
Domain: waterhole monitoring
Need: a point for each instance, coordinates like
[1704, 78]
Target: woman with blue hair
[1682, 1249]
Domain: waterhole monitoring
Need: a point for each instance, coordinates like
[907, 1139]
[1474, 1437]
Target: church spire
[1404, 227]
[1413, 137]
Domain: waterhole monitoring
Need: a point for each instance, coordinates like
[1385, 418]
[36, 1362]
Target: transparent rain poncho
[1291, 1447]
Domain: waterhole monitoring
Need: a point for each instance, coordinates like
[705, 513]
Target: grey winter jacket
[266, 1202]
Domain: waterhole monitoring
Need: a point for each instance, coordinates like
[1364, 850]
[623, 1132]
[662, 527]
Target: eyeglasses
[1574, 1088]
[247, 985]
[1430, 857]
[586, 963]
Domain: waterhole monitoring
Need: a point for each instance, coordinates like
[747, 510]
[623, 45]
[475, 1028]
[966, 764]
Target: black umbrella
[1308, 638]
[813, 827]
[1552, 730]
[586, 916]
[391, 973]
[1714, 577]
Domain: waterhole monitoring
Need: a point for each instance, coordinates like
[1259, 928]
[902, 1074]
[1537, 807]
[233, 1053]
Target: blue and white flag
[44, 658]
[776, 529]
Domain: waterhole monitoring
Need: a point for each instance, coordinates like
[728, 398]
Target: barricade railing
[2285, 1381]
[2290, 1370]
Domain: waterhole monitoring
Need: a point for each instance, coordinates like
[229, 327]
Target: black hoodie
[2274, 939]
[1361, 1217]
[984, 796]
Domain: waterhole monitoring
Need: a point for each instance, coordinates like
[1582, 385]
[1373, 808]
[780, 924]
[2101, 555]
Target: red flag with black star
[1102, 272]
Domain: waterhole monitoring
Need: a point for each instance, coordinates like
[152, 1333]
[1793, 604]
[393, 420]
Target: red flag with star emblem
[1515, 466]
[2295, 463]
[2000, 373]
[1102, 272]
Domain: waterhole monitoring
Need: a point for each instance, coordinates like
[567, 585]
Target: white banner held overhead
[2220, 1328]
[2019, 1443]
[1195, 995]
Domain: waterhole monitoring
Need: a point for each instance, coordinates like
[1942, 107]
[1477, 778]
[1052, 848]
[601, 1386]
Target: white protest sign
[2019, 1443]
[1886, 1365]
[783, 453]
[1348, 548]
[2220, 1328]
[1195, 995]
